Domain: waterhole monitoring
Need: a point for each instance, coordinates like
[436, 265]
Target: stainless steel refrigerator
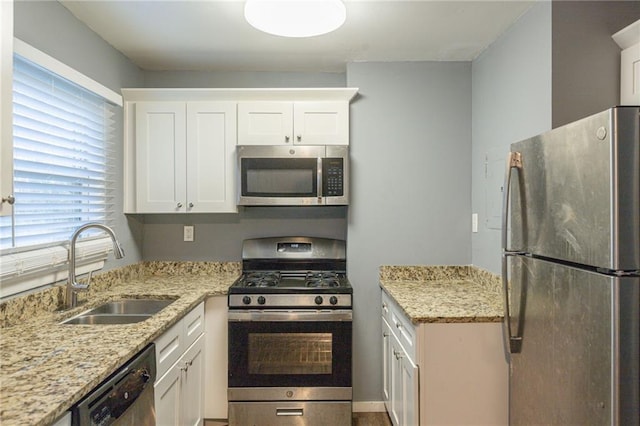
[571, 273]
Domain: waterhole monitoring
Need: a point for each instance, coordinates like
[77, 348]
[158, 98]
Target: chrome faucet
[73, 287]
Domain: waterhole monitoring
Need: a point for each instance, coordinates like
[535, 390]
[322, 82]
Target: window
[63, 158]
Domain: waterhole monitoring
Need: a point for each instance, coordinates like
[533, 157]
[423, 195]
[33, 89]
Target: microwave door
[280, 181]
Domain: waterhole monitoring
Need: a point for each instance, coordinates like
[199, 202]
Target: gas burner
[322, 279]
[262, 279]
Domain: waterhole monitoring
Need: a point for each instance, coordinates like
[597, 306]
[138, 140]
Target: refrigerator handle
[512, 343]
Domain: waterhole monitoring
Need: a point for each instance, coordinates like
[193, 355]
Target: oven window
[283, 181]
[290, 353]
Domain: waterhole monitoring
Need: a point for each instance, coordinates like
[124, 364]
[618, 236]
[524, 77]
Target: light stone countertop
[45, 367]
[444, 294]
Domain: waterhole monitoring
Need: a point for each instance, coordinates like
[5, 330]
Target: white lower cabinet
[180, 357]
[443, 373]
[400, 381]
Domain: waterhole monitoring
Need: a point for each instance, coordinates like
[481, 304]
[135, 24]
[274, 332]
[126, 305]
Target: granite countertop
[444, 294]
[45, 367]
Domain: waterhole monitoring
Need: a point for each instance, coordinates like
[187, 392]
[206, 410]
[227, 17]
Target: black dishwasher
[124, 398]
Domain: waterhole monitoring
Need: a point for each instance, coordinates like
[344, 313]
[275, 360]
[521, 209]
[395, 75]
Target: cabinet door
[630, 75]
[395, 381]
[192, 385]
[321, 123]
[404, 397]
[386, 363]
[160, 157]
[167, 398]
[410, 413]
[265, 123]
[211, 141]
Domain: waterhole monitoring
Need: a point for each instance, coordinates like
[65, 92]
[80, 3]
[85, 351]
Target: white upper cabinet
[300, 123]
[211, 137]
[629, 41]
[184, 158]
[161, 147]
[179, 144]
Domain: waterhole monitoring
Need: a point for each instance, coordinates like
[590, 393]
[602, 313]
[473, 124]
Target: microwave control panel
[332, 177]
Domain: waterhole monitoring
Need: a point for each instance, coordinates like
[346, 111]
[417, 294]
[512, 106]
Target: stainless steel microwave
[293, 175]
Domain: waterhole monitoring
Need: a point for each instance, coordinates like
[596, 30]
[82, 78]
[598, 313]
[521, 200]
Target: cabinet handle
[398, 325]
[190, 205]
[299, 138]
[179, 205]
[385, 334]
[398, 354]
[286, 138]
[186, 366]
[10, 199]
[385, 308]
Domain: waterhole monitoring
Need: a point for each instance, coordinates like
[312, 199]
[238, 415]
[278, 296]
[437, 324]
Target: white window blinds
[63, 158]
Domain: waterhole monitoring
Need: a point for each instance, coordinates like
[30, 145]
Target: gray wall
[219, 236]
[586, 60]
[51, 28]
[511, 101]
[233, 79]
[411, 174]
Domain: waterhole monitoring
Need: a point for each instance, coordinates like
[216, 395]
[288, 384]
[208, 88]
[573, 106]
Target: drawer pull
[289, 412]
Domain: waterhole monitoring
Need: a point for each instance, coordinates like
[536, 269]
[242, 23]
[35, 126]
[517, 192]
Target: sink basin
[89, 319]
[126, 311]
[131, 306]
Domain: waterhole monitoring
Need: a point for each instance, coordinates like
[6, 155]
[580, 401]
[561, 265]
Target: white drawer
[169, 347]
[386, 306]
[193, 325]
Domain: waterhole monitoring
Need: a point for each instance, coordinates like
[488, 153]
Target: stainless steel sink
[126, 311]
[131, 306]
[106, 319]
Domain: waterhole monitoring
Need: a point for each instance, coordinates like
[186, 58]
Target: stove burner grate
[322, 279]
[262, 279]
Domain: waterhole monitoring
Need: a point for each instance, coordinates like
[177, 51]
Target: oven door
[290, 349]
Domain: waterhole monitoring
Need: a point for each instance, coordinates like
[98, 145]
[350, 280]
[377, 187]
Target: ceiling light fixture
[295, 18]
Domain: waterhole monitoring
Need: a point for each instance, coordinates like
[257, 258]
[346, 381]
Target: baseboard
[368, 407]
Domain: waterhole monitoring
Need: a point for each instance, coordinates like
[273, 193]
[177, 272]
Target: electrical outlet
[188, 233]
[474, 222]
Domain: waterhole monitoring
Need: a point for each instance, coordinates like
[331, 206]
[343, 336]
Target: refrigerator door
[578, 362]
[576, 192]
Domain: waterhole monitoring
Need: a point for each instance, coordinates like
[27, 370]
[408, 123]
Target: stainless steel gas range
[290, 332]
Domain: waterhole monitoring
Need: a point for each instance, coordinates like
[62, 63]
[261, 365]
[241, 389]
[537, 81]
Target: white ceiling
[213, 35]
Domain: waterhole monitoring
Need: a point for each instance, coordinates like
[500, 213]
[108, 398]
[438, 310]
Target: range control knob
[261, 300]
[318, 300]
[246, 300]
[333, 300]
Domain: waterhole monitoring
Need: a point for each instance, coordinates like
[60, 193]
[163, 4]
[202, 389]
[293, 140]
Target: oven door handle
[299, 315]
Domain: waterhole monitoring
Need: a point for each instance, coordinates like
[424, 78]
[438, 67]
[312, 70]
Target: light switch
[474, 222]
